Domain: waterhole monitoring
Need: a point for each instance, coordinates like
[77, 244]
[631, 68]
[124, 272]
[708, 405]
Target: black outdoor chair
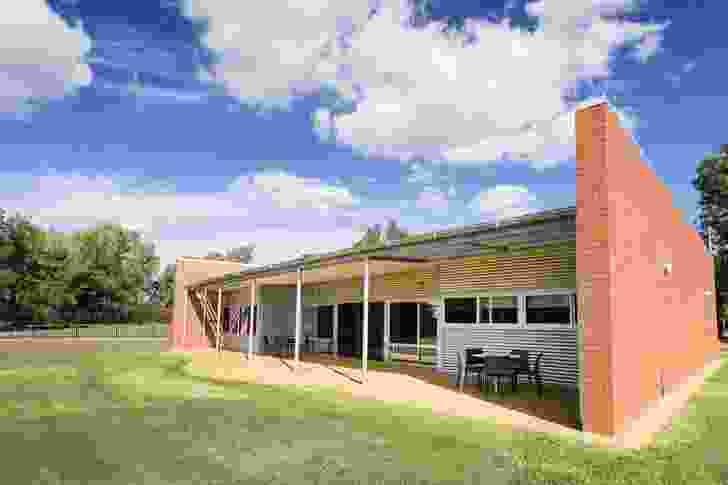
[523, 359]
[268, 343]
[471, 365]
[532, 372]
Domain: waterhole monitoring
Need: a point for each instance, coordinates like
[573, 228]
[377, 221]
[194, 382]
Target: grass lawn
[122, 417]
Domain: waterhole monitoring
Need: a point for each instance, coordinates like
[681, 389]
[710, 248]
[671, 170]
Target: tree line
[43, 272]
[711, 181]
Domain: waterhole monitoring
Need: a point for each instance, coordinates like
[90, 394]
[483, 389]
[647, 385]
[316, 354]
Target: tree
[7, 276]
[38, 263]
[711, 181]
[375, 235]
[243, 253]
[214, 254]
[166, 285]
[372, 237]
[392, 232]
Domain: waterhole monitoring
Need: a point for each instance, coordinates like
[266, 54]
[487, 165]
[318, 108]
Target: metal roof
[457, 241]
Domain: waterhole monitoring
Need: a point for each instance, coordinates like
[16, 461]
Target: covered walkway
[357, 318]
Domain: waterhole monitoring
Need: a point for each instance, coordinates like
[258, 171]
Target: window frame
[444, 310]
[522, 313]
[551, 326]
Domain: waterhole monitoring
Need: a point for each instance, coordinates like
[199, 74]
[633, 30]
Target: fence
[423, 353]
[93, 331]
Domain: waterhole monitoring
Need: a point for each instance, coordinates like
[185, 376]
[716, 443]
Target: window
[484, 304]
[504, 309]
[460, 310]
[548, 309]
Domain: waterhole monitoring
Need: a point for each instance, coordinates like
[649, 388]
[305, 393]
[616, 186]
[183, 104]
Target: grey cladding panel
[558, 365]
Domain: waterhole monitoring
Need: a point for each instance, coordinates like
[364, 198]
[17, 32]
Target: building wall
[547, 267]
[190, 271]
[643, 330]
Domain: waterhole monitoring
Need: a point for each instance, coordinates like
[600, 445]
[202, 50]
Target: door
[351, 316]
[376, 331]
[347, 330]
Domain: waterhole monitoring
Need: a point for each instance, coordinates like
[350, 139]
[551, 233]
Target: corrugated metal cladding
[467, 244]
[553, 266]
[559, 364]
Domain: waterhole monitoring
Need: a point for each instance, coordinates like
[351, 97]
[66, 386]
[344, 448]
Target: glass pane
[484, 310]
[460, 310]
[505, 309]
[428, 324]
[549, 309]
[325, 322]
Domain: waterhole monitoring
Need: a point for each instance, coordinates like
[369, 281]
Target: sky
[206, 125]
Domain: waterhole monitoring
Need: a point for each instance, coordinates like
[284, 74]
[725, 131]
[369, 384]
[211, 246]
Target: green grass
[122, 417]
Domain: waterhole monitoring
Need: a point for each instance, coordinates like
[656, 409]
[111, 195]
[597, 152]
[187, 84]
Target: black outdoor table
[499, 366]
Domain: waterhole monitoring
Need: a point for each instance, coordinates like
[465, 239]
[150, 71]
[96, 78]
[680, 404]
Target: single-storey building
[617, 293]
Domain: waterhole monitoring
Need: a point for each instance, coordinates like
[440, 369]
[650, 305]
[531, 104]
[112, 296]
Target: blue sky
[205, 126]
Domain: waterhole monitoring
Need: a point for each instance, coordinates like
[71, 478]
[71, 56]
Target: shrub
[145, 313]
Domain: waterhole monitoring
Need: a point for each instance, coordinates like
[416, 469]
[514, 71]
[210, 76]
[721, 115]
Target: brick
[640, 325]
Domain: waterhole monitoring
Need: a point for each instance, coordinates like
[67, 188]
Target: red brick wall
[641, 328]
[190, 271]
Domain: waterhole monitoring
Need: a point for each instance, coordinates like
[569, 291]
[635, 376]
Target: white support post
[251, 322]
[441, 333]
[336, 329]
[387, 331]
[419, 323]
[365, 326]
[219, 317]
[299, 284]
[315, 329]
[184, 327]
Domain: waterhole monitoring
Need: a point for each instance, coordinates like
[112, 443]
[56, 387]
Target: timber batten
[550, 267]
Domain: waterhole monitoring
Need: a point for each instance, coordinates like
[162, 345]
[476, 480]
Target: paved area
[393, 386]
[380, 385]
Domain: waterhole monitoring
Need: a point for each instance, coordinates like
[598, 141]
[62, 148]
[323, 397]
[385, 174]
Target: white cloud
[504, 201]
[432, 199]
[428, 94]
[268, 51]
[40, 57]
[419, 92]
[323, 125]
[281, 213]
[290, 192]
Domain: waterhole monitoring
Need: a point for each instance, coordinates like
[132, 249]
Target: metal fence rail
[424, 353]
[93, 331]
